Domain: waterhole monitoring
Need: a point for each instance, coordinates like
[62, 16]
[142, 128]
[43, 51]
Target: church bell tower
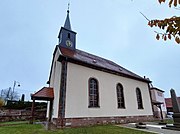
[67, 37]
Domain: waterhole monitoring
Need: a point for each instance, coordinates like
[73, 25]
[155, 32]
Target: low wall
[6, 118]
[16, 115]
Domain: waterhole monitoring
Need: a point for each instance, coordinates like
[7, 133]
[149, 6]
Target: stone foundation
[88, 121]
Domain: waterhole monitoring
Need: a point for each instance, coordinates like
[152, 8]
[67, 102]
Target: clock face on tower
[69, 43]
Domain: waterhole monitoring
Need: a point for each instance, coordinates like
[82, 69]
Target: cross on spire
[68, 6]
[67, 24]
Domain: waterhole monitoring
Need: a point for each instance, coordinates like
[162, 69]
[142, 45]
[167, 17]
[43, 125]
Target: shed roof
[46, 93]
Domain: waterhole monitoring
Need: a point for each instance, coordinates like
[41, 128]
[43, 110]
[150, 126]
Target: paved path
[153, 128]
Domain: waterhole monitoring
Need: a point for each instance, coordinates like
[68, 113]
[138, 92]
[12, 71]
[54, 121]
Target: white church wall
[77, 94]
[55, 83]
[56, 89]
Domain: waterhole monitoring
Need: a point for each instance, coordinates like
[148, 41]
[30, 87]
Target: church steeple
[67, 23]
[67, 37]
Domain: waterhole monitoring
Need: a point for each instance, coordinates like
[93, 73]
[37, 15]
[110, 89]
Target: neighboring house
[169, 104]
[88, 89]
[158, 100]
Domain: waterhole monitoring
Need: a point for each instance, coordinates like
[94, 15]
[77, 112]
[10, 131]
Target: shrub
[1, 102]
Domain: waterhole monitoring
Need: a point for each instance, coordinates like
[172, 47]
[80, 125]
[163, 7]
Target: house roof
[169, 102]
[96, 62]
[46, 93]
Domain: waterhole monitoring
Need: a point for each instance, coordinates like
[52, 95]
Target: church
[85, 89]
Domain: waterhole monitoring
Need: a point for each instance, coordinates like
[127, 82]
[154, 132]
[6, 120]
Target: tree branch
[144, 16]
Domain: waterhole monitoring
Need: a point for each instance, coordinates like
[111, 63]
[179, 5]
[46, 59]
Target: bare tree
[8, 94]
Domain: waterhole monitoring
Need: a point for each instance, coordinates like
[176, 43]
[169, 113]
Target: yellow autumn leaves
[170, 25]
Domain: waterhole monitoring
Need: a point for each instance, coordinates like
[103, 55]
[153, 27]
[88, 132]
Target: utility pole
[14, 85]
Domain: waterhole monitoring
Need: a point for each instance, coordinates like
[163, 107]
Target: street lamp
[14, 85]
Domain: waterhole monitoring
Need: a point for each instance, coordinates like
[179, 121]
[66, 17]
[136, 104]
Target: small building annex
[92, 90]
[158, 101]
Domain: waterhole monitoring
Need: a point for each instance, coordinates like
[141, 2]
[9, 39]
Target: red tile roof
[98, 63]
[46, 93]
[169, 102]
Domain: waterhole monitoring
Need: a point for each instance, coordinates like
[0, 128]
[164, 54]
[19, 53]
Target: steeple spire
[67, 37]
[67, 23]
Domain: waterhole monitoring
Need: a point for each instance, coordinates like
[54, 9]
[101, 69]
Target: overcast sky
[112, 29]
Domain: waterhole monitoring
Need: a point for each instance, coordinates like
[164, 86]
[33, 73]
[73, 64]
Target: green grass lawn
[168, 121]
[14, 122]
[39, 129]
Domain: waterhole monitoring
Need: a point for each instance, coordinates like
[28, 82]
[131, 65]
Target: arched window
[120, 96]
[139, 98]
[93, 93]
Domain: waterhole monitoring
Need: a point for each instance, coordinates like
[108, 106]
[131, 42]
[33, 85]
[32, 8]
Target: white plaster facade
[77, 94]
[55, 77]
[77, 99]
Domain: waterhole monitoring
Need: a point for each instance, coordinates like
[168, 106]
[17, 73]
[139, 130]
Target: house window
[93, 93]
[120, 96]
[139, 98]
